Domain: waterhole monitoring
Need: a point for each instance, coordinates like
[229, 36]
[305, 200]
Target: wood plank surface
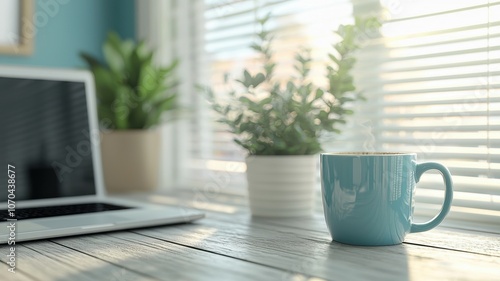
[166, 260]
[6, 275]
[299, 252]
[440, 237]
[48, 261]
[230, 244]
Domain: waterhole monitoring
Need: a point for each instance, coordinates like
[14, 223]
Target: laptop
[52, 180]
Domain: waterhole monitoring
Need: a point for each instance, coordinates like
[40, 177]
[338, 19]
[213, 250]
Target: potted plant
[132, 95]
[281, 123]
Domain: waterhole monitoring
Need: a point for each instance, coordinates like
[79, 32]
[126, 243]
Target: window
[432, 81]
[433, 84]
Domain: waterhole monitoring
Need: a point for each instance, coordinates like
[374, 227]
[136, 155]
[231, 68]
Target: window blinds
[431, 80]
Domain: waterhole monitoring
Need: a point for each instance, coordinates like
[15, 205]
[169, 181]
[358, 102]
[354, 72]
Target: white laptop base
[139, 215]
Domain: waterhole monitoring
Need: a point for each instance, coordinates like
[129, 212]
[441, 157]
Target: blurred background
[431, 79]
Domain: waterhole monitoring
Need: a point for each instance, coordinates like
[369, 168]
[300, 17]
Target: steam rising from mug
[369, 137]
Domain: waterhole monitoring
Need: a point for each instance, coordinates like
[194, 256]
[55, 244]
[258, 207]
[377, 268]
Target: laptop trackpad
[59, 222]
[27, 226]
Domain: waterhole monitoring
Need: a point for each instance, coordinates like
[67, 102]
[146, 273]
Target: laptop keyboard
[62, 210]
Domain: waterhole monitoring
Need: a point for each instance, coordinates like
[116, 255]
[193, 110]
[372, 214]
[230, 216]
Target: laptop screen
[44, 134]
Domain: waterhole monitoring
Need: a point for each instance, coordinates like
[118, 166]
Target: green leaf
[333, 58]
[121, 108]
[256, 47]
[319, 94]
[91, 61]
[167, 103]
[113, 53]
[106, 85]
[247, 77]
[263, 20]
[269, 68]
[238, 119]
[134, 68]
[143, 51]
[138, 117]
[258, 79]
[106, 113]
[158, 108]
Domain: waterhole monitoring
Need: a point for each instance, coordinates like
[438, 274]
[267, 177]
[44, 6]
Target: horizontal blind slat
[391, 59]
[406, 68]
[443, 142]
[378, 83]
[440, 114]
[377, 92]
[390, 103]
[441, 128]
[450, 11]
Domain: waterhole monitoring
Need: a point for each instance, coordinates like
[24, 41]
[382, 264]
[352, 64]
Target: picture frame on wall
[16, 27]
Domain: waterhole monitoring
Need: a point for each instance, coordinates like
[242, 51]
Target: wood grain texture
[48, 261]
[440, 237]
[312, 253]
[229, 244]
[7, 276]
[444, 238]
[168, 261]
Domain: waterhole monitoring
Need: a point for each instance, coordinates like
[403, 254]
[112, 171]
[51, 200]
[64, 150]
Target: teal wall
[75, 26]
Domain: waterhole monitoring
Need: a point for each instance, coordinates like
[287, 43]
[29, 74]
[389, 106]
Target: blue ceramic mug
[368, 197]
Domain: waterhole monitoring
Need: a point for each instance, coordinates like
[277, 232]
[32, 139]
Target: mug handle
[448, 195]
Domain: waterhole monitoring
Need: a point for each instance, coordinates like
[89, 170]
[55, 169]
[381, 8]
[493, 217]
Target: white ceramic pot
[130, 160]
[282, 186]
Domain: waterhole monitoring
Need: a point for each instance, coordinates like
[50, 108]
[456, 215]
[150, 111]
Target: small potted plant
[132, 95]
[281, 123]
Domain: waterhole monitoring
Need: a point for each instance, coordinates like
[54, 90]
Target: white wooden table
[231, 245]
